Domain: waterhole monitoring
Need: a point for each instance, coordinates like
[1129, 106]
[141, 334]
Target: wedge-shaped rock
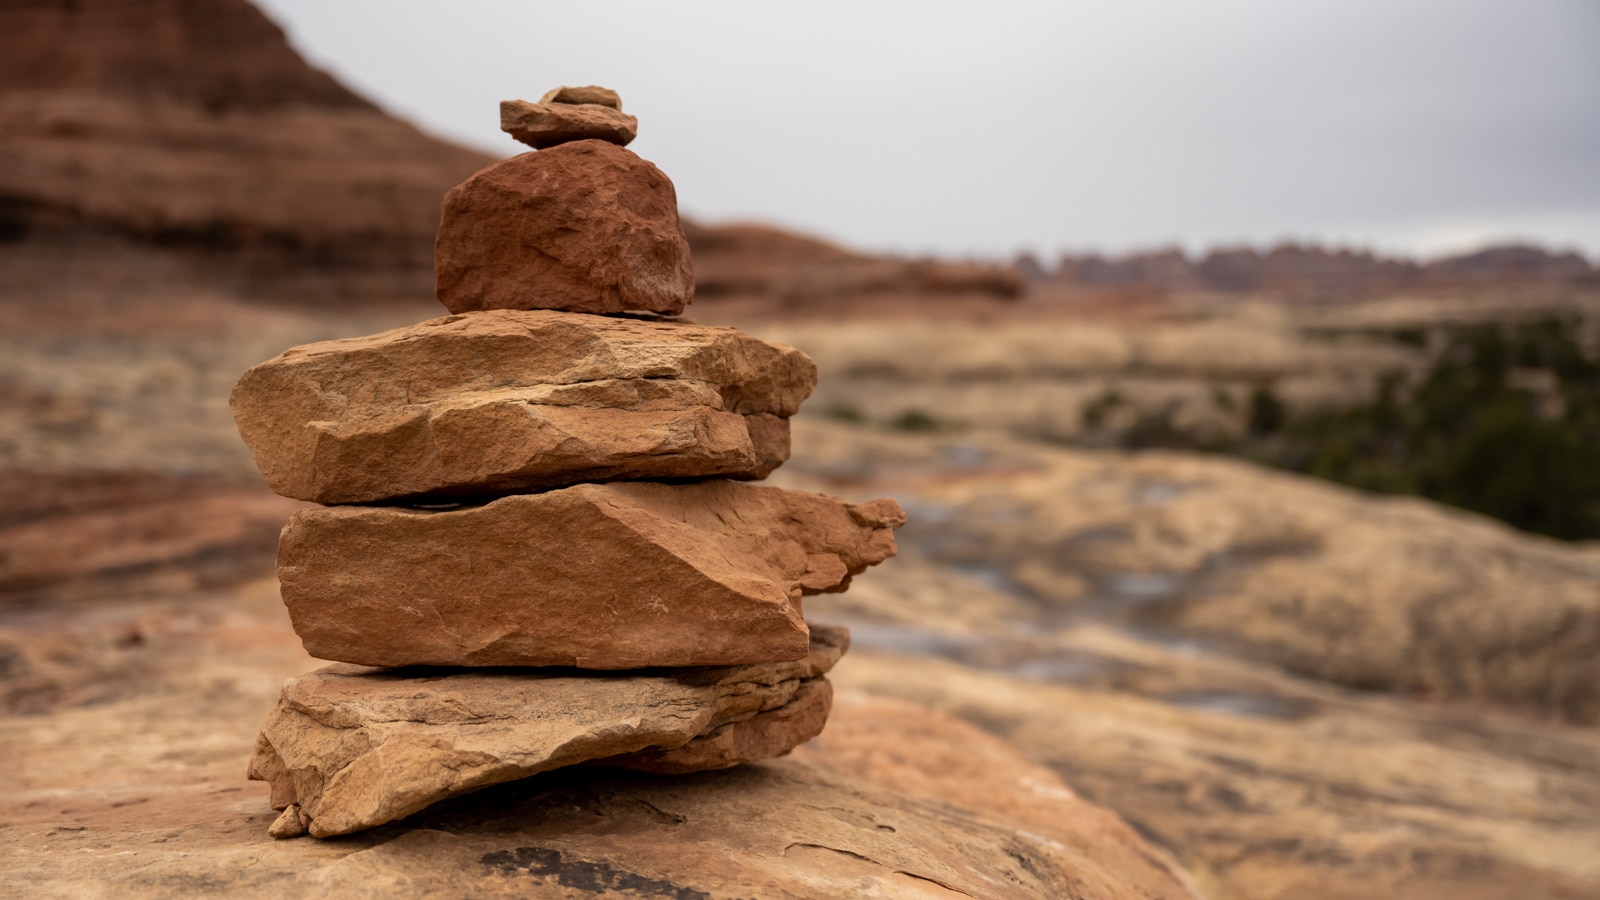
[589, 94]
[546, 124]
[512, 400]
[599, 576]
[349, 748]
[585, 226]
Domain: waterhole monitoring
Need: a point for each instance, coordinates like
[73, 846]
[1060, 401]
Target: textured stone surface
[586, 226]
[762, 736]
[542, 125]
[174, 815]
[591, 94]
[600, 576]
[1376, 593]
[511, 400]
[354, 748]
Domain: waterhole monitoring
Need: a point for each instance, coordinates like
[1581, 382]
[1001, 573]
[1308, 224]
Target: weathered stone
[586, 226]
[511, 400]
[763, 736]
[599, 576]
[292, 823]
[354, 748]
[541, 125]
[589, 95]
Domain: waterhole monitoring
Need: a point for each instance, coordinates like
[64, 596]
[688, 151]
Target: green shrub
[916, 420]
[1464, 434]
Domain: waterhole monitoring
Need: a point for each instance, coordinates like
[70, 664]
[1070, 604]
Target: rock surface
[600, 576]
[542, 125]
[354, 748]
[589, 95]
[196, 124]
[120, 797]
[81, 535]
[221, 53]
[1264, 783]
[1394, 594]
[586, 226]
[510, 400]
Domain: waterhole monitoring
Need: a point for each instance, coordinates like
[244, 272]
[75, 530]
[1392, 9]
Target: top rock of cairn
[593, 466]
[583, 225]
[569, 114]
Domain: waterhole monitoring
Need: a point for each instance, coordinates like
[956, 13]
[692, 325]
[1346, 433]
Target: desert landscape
[1167, 619]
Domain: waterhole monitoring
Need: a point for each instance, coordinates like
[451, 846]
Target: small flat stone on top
[589, 95]
[542, 125]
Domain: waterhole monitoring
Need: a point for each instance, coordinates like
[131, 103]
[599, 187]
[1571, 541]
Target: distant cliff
[1309, 270]
[192, 123]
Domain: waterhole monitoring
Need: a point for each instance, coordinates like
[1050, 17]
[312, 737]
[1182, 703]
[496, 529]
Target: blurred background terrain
[1289, 554]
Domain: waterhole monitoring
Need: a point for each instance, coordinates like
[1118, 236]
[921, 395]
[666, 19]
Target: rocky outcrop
[838, 817]
[219, 54]
[1309, 270]
[95, 534]
[512, 400]
[194, 124]
[355, 748]
[612, 576]
[763, 263]
[584, 227]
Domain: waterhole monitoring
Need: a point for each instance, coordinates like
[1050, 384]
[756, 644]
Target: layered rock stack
[538, 544]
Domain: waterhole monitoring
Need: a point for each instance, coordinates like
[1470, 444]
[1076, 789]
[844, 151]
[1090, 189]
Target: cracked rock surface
[511, 400]
[354, 748]
[599, 576]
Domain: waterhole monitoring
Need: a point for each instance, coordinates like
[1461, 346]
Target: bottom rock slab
[349, 748]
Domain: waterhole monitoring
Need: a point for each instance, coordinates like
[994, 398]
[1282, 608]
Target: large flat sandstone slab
[348, 748]
[600, 576]
[585, 226]
[511, 400]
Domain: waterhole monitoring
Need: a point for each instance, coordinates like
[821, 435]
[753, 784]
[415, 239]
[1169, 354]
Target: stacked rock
[551, 482]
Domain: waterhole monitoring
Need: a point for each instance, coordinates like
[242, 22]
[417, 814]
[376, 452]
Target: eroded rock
[600, 576]
[542, 125]
[354, 748]
[586, 226]
[590, 94]
[763, 736]
[511, 400]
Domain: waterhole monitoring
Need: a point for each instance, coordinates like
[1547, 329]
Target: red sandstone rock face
[223, 54]
[193, 123]
[600, 576]
[586, 227]
[513, 400]
[773, 732]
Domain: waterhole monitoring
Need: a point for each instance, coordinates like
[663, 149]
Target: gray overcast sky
[966, 128]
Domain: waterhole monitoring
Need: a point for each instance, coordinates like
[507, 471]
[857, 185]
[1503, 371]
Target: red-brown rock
[773, 732]
[515, 400]
[589, 94]
[542, 125]
[586, 226]
[348, 748]
[599, 576]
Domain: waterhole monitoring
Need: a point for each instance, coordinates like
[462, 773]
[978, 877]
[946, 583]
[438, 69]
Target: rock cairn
[538, 545]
